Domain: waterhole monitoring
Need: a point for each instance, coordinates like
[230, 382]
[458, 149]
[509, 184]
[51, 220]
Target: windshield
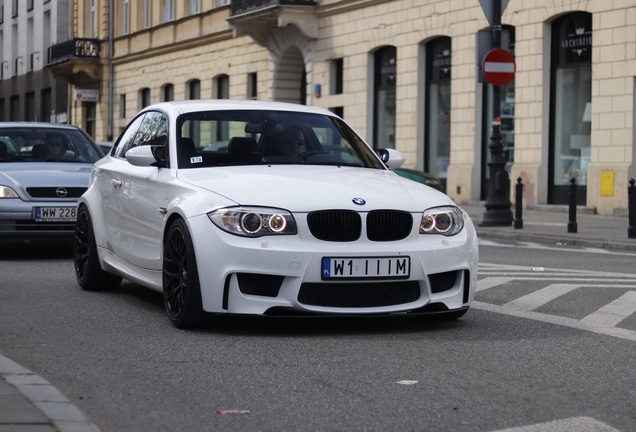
[216, 138]
[28, 144]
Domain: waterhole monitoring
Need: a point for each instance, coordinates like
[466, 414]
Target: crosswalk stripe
[573, 424]
[613, 313]
[538, 298]
[558, 320]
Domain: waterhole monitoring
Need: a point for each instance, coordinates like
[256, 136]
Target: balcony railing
[243, 6]
[74, 48]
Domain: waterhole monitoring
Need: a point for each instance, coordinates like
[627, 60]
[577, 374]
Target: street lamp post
[498, 211]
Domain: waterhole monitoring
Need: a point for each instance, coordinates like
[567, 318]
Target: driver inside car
[292, 142]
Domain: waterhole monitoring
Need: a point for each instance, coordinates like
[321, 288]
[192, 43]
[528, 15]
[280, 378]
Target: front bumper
[282, 275]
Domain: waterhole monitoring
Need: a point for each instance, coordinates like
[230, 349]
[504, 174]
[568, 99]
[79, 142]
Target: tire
[181, 287]
[88, 271]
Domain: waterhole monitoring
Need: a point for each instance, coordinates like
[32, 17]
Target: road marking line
[573, 424]
[540, 297]
[613, 313]
[483, 284]
[558, 320]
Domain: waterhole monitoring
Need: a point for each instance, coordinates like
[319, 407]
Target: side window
[153, 130]
[126, 140]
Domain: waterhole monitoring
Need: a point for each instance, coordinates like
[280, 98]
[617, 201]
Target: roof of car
[186, 106]
[36, 125]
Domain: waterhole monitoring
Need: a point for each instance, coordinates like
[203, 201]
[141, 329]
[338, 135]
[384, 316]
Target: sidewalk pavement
[548, 224]
[28, 403]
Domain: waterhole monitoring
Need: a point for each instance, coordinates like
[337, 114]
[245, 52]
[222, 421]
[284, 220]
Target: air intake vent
[359, 295]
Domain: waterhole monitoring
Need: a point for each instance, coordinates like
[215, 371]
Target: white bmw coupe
[263, 208]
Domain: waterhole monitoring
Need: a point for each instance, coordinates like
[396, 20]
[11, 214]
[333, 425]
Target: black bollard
[631, 207]
[572, 210]
[518, 223]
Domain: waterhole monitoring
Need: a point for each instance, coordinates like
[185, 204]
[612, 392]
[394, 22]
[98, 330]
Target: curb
[556, 240]
[62, 414]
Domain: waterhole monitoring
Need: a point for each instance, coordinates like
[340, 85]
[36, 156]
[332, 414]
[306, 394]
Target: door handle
[116, 183]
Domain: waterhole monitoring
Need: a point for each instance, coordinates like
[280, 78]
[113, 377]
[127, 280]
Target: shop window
[385, 79]
[570, 106]
[438, 108]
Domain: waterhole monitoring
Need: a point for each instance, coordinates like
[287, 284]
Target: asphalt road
[116, 357]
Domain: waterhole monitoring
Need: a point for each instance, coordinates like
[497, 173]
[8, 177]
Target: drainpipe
[111, 28]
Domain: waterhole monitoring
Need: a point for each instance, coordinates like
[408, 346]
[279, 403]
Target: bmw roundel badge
[359, 201]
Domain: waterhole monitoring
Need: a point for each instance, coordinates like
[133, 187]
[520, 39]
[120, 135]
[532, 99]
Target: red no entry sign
[498, 67]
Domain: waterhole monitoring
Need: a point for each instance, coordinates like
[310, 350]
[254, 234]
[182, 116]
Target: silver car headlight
[7, 192]
[446, 220]
[254, 221]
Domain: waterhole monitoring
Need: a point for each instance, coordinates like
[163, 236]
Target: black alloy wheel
[88, 271]
[181, 288]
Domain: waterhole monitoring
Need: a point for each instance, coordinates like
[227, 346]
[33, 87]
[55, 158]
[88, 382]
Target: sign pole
[498, 207]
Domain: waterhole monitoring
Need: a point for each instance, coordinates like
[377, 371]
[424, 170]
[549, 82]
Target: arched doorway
[290, 77]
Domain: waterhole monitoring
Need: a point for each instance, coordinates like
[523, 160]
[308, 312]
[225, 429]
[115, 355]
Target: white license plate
[55, 214]
[396, 267]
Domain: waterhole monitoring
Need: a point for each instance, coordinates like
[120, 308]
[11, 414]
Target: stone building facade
[405, 74]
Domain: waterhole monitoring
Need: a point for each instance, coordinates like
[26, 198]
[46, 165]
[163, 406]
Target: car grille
[388, 225]
[346, 225]
[335, 225]
[54, 192]
[359, 295]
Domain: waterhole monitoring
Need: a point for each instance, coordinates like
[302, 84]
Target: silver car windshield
[221, 138]
[26, 144]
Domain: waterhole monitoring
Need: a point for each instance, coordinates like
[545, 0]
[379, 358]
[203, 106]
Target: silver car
[44, 169]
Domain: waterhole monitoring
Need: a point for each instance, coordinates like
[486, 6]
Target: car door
[138, 197]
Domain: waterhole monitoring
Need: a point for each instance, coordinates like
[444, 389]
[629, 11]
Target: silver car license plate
[394, 267]
[55, 214]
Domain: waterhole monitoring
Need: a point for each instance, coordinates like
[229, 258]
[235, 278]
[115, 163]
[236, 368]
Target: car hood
[38, 174]
[303, 188]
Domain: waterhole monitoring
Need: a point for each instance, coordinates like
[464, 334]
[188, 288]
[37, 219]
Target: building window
[194, 89]
[144, 97]
[29, 107]
[29, 5]
[335, 76]
[384, 100]
[90, 117]
[339, 111]
[122, 106]
[14, 8]
[167, 93]
[167, 11]
[2, 117]
[14, 108]
[46, 106]
[92, 13]
[438, 107]
[252, 80]
[145, 15]
[222, 87]
[125, 17]
[570, 106]
[220, 3]
[194, 7]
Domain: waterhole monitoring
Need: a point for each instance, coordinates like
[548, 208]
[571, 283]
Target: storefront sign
[86, 95]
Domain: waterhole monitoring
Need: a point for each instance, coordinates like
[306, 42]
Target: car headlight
[254, 221]
[447, 221]
[7, 192]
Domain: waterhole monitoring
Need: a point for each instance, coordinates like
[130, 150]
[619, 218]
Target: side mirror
[392, 158]
[143, 156]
